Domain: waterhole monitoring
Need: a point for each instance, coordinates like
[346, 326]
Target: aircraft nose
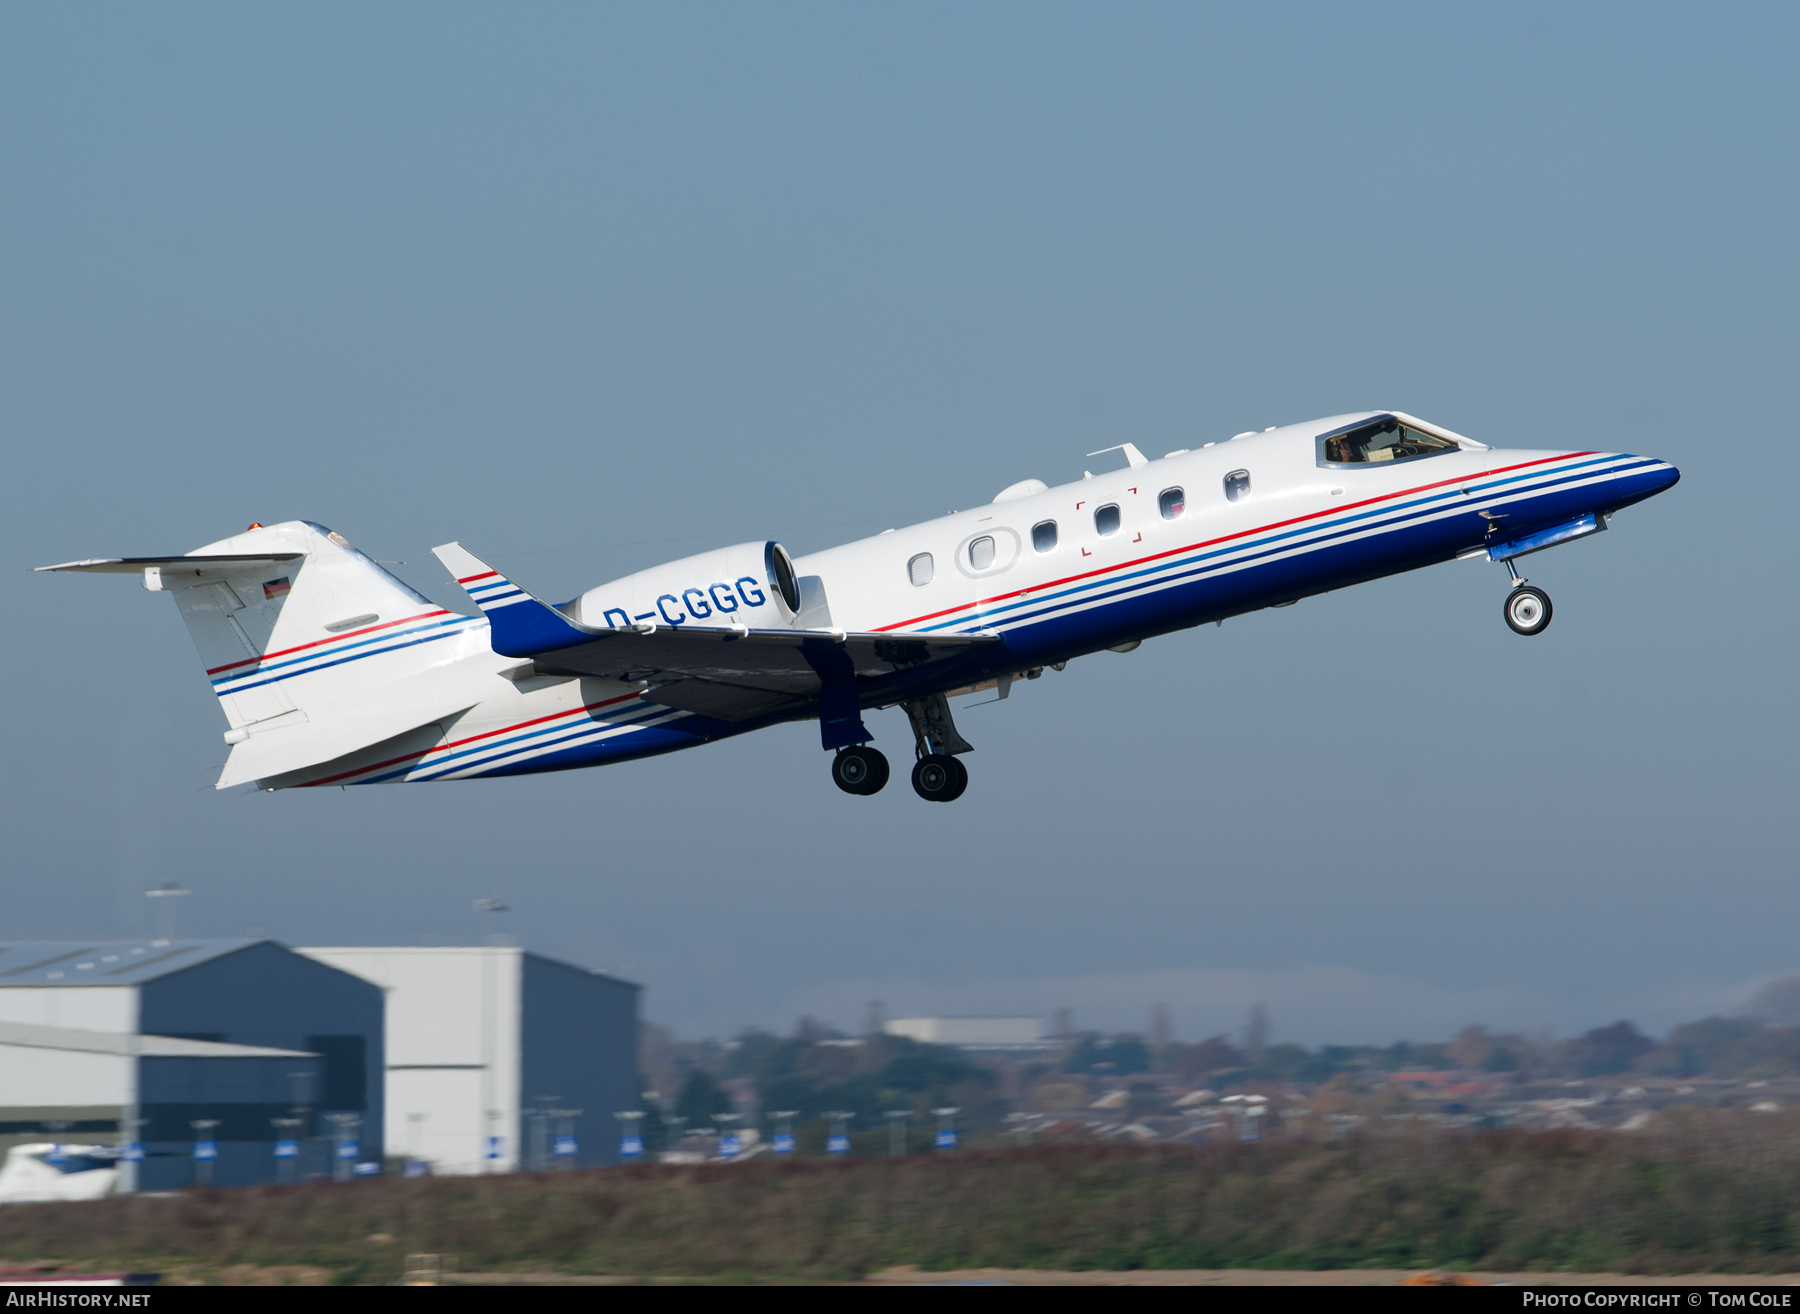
[1660, 477]
[1640, 477]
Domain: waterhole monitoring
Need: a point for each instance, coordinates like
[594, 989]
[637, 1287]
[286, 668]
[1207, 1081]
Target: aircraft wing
[732, 674]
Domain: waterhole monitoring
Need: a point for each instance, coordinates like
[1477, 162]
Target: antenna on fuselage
[1133, 457]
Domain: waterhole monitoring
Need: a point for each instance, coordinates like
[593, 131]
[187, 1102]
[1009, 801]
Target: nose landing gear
[1527, 608]
[860, 770]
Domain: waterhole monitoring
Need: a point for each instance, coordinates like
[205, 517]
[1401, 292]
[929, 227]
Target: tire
[860, 770]
[962, 779]
[938, 778]
[1528, 610]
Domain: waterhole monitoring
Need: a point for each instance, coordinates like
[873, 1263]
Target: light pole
[564, 1148]
[134, 1151]
[631, 1144]
[287, 1149]
[206, 1149]
[946, 1130]
[839, 1140]
[415, 1145]
[490, 1140]
[897, 1130]
[166, 891]
[344, 1144]
[729, 1142]
[784, 1130]
[301, 1112]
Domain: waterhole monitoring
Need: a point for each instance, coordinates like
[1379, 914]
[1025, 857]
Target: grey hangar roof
[105, 962]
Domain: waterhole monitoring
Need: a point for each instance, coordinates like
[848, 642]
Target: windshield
[1383, 439]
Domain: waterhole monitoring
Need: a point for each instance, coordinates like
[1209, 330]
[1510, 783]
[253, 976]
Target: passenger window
[1106, 520]
[1043, 535]
[1237, 485]
[918, 570]
[1172, 503]
[981, 553]
[1385, 439]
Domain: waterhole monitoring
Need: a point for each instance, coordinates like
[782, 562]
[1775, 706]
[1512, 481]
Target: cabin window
[918, 570]
[1043, 535]
[1237, 485]
[1106, 519]
[1385, 439]
[1172, 502]
[981, 553]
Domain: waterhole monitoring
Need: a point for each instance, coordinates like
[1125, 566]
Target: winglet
[519, 625]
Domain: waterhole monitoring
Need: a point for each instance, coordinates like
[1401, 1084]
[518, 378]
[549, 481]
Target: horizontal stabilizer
[136, 565]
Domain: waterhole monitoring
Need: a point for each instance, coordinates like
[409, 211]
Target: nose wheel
[939, 778]
[1528, 610]
[860, 770]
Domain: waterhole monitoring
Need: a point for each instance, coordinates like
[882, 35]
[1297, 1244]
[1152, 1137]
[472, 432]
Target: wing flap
[724, 702]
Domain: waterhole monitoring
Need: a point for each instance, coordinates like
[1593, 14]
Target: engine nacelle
[750, 584]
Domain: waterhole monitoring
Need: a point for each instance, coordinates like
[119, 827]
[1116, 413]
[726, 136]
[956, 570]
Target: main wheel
[860, 770]
[938, 778]
[1528, 610]
[962, 778]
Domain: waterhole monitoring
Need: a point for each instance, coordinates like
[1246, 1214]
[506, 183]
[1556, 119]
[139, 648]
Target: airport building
[499, 1058]
[176, 1044]
[978, 1033]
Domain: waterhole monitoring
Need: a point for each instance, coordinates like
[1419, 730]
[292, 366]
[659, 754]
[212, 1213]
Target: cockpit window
[1385, 439]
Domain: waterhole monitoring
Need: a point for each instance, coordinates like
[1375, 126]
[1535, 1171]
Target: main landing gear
[937, 776]
[860, 769]
[1528, 608]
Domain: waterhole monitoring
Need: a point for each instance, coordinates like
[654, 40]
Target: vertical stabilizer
[312, 648]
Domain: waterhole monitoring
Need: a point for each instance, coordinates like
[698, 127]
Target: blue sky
[588, 287]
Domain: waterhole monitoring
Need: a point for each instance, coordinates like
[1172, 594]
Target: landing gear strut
[937, 776]
[860, 770]
[1527, 608]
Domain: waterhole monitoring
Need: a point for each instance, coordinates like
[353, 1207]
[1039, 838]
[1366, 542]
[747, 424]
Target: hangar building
[157, 1034]
[485, 1041]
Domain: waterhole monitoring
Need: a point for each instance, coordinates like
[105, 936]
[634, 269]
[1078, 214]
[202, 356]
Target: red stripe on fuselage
[1245, 533]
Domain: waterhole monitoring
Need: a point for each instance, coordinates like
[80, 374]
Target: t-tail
[313, 649]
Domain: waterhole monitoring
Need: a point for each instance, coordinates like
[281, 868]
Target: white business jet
[332, 671]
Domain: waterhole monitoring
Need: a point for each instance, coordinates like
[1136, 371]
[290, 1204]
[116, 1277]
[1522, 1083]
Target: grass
[1705, 1191]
